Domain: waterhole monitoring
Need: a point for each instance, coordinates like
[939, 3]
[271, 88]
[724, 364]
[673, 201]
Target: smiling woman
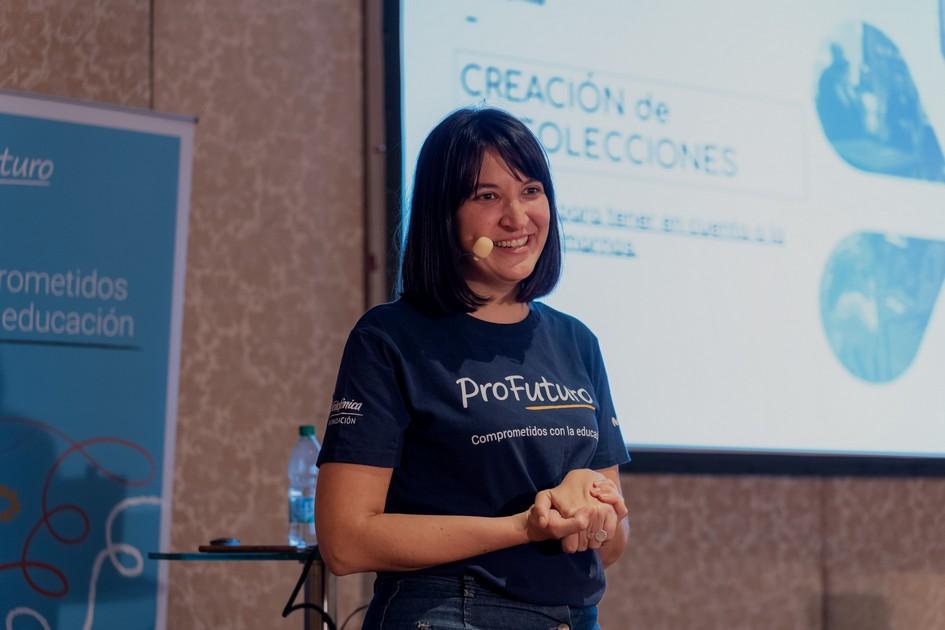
[477, 507]
[480, 173]
[512, 211]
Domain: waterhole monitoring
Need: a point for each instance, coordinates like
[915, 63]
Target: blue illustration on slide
[876, 298]
[941, 25]
[870, 110]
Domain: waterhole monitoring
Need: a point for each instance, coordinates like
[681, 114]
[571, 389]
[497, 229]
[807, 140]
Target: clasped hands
[576, 510]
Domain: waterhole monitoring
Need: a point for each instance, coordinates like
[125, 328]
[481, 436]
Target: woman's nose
[514, 216]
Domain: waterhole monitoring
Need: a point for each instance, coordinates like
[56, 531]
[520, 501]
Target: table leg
[319, 590]
[319, 596]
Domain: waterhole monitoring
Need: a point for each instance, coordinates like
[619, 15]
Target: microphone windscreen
[482, 247]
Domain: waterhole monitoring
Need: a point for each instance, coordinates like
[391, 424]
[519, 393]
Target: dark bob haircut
[431, 274]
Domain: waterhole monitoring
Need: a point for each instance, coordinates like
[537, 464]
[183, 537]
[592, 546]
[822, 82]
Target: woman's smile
[512, 244]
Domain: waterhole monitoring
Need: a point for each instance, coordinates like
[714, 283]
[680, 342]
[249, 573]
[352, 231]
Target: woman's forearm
[356, 534]
[404, 542]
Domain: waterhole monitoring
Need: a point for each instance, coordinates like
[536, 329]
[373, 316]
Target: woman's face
[513, 211]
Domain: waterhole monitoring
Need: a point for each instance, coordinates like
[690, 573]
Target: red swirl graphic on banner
[46, 519]
[13, 503]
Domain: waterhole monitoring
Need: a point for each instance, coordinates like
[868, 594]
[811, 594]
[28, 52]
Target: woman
[472, 449]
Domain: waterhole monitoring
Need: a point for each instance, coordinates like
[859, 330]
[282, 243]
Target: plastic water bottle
[303, 475]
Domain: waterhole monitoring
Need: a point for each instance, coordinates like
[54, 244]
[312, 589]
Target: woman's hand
[572, 499]
[546, 523]
[606, 491]
[609, 491]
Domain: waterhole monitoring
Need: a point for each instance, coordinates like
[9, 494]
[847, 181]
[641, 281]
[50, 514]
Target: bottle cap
[306, 429]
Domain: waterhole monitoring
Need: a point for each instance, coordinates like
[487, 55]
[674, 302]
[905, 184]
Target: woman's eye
[533, 190]
[487, 196]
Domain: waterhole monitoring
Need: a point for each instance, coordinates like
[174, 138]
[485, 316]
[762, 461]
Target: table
[318, 583]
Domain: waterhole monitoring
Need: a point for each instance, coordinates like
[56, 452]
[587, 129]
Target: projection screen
[752, 196]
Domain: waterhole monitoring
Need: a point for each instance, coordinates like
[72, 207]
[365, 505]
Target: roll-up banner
[93, 226]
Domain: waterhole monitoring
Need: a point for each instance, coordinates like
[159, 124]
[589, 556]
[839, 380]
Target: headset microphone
[482, 247]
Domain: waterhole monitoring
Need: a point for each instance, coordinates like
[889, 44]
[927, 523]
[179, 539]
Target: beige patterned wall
[885, 550]
[87, 49]
[718, 553]
[274, 282]
[274, 278]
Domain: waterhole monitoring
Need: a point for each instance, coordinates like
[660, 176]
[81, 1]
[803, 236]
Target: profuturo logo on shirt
[517, 388]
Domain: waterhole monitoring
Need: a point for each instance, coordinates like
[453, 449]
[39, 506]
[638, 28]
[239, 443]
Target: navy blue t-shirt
[475, 418]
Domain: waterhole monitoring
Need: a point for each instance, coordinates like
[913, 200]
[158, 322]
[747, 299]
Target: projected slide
[752, 197]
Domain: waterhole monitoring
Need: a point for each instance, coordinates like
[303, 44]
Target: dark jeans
[429, 602]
